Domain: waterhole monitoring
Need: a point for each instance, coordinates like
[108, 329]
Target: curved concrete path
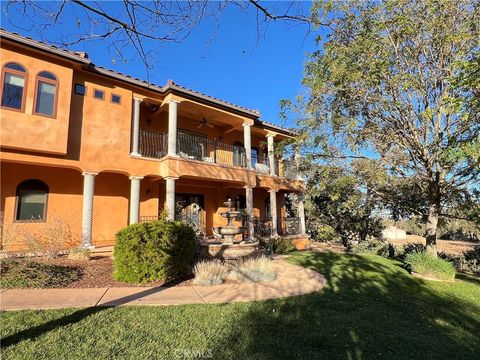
[291, 280]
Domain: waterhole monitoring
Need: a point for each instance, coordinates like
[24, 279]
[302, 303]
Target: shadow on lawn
[77, 316]
[468, 278]
[367, 310]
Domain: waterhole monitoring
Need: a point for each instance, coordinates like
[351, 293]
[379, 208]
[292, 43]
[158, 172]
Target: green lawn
[371, 308]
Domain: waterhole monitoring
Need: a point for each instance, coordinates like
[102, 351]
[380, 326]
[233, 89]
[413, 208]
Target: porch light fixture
[149, 121]
[148, 192]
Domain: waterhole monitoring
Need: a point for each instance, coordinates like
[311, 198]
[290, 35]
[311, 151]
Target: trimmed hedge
[157, 250]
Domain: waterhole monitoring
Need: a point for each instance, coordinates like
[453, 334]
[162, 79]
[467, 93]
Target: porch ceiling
[198, 112]
[208, 183]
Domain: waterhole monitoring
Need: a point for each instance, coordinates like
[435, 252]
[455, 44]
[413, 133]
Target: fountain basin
[230, 251]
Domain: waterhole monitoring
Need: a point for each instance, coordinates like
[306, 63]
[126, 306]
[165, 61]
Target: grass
[31, 274]
[370, 308]
[427, 265]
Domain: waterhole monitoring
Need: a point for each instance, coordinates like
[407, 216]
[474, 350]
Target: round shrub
[374, 247]
[283, 246]
[468, 261]
[157, 250]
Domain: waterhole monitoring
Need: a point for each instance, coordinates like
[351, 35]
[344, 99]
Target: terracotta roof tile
[170, 85]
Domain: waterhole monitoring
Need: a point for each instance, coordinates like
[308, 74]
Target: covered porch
[264, 212]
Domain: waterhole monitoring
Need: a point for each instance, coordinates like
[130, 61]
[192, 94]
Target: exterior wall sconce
[149, 121]
[148, 192]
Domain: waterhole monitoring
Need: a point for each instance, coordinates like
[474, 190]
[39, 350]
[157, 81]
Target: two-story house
[102, 150]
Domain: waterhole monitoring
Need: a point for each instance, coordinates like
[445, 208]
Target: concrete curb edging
[291, 280]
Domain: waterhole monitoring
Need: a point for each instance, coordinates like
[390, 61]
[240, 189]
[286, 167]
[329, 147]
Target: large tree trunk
[431, 228]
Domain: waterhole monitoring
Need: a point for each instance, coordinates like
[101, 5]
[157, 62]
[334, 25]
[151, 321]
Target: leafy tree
[397, 82]
[337, 199]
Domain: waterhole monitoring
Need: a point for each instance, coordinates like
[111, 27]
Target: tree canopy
[397, 82]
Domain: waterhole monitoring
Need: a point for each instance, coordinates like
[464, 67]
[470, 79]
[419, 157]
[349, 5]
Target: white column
[271, 155]
[301, 213]
[247, 140]
[136, 126]
[134, 199]
[273, 211]
[87, 212]
[170, 197]
[172, 127]
[249, 201]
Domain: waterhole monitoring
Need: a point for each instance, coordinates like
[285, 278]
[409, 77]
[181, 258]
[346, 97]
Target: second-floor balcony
[193, 147]
[200, 148]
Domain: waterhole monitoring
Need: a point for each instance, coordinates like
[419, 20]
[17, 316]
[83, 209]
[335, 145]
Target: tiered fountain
[226, 243]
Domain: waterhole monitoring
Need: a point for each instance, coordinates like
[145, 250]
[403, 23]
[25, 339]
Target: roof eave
[37, 45]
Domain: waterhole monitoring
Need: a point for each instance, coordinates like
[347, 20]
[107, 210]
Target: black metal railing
[288, 226]
[149, 218]
[153, 145]
[197, 221]
[288, 169]
[262, 164]
[196, 147]
[283, 167]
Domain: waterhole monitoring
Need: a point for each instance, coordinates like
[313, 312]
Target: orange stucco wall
[95, 135]
[23, 130]
[111, 201]
[64, 201]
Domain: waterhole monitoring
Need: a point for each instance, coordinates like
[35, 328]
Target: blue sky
[230, 63]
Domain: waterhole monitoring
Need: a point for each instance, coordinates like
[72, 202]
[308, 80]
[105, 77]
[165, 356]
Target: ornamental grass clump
[210, 272]
[254, 270]
[429, 266]
[213, 272]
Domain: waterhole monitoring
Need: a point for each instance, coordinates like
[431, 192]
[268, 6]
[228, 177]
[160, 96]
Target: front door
[189, 208]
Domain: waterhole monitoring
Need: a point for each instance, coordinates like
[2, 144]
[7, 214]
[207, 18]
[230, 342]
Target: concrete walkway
[291, 281]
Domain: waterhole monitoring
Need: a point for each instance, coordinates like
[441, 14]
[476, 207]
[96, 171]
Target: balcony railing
[288, 226]
[153, 145]
[149, 218]
[197, 147]
[288, 169]
[200, 148]
[261, 163]
[194, 147]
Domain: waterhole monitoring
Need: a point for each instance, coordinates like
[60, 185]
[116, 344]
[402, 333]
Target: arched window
[31, 201]
[14, 78]
[46, 94]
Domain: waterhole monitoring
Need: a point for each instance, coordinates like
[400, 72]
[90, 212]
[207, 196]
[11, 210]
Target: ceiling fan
[204, 122]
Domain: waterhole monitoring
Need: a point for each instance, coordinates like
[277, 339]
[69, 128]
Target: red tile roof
[171, 86]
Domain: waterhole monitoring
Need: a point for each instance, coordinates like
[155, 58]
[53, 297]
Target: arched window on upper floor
[46, 90]
[14, 80]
